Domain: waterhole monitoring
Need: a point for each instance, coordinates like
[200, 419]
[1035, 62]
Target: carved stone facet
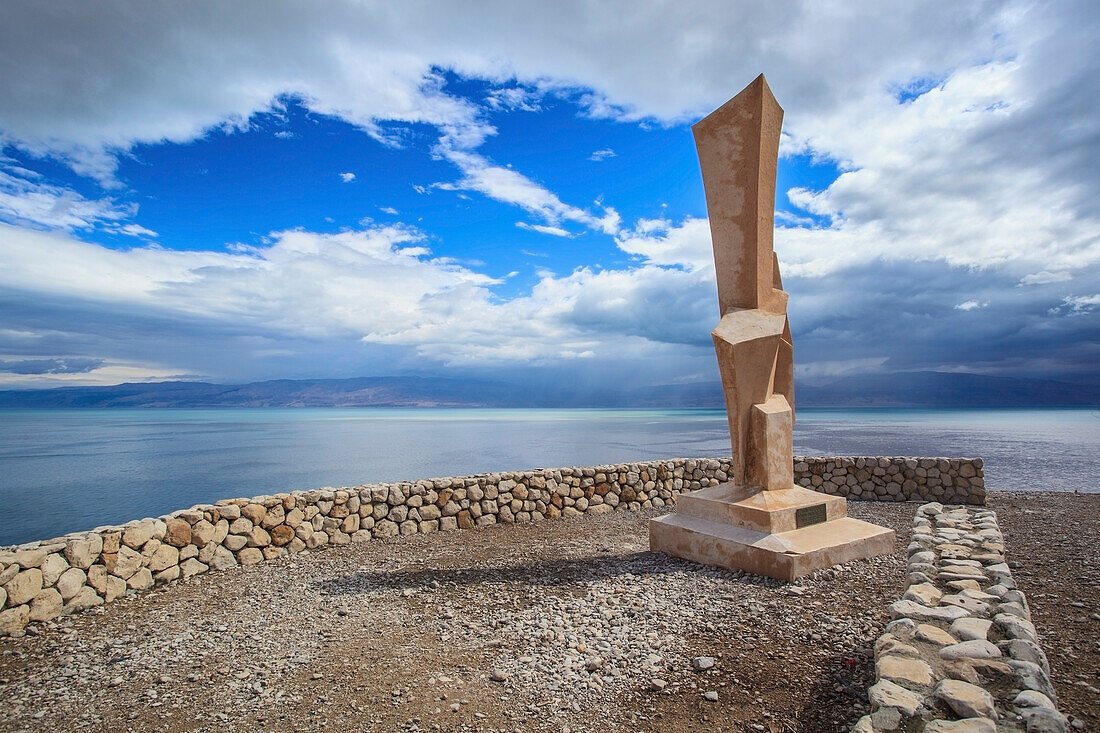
[758, 521]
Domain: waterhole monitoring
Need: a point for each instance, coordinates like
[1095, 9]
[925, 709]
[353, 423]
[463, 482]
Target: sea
[65, 470]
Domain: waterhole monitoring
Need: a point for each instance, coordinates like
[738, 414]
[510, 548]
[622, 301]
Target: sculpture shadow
[548, 573]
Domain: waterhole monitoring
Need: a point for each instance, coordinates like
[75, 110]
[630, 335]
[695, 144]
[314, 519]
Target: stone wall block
[23, 587]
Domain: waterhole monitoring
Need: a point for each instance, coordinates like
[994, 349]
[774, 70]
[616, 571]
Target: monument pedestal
[781, 533]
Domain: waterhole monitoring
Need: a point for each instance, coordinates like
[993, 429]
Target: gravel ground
[563, 625]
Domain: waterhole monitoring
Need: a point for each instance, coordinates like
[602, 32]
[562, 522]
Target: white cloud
[388, 210]
[602, 154]
[1078, 304]
[543, 229]
[970, 305]
[1045, 277]
[511, 187]
[136, 230]
[37, 204]
[347, 177]
[661, 242]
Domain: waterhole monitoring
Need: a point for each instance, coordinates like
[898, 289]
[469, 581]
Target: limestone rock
[135, 535]
[97, 578]
[177, 533]
[70, 583]
[886, 694]
[934, 635]
[83, 552]
[125, 563]
[222, 559]
[967, 700]
[202, 533]
[913, 610]
[972, 725]
[250, 555]
[168, 574]
[46, 605]
[924, 593]
[166, 556]
[24, 586]
[972, 649]
[191, 567]
[86, 598]
[904, 671]
[14, 619]
[258, 537]
[971, 628]
[27, 559]
[255, 513]
[52, 568]
[115, 587]
[235, 542]
[141, 580]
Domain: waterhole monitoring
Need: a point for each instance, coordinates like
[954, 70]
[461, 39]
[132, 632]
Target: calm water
[65, 470]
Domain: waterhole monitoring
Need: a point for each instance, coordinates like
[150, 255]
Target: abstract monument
[759, 520]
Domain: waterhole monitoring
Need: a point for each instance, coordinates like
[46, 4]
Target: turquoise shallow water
[64, 470]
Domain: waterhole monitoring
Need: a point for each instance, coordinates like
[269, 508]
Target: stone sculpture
[758, 520]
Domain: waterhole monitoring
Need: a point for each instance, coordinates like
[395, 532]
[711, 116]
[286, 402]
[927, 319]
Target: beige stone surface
[758, 521]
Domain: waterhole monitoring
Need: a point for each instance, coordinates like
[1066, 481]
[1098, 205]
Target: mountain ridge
[907, 389]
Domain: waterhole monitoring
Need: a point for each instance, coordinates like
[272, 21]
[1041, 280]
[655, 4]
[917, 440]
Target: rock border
[961, 654]
[40, 581]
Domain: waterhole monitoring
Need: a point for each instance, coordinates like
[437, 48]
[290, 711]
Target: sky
[235, 192]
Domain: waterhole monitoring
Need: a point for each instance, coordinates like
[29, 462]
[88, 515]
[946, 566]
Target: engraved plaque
[808, 515]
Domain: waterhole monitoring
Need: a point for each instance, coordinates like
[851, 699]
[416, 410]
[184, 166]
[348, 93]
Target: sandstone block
[24, 586]
[14, 619]
[281, 535]
[235, 542]
[222, 559]
[116, 587]
[167, 575]
[967, 700]
[250, 556]
[52, 568]
[294, 517]
[135, 535]
[165, 557]
[83, 552]
[188, 552]
[46, 605]
[123, 564]
[296, 545]
[141, 580]
[85, 599]
[97, 578]
[258, 537]
[192, 567]
[70, 583]
[241, 525]
[254, 512]
[177, 533]
[272, 552]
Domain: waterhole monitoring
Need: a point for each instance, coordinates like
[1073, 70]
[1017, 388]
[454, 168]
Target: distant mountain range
[909, 389]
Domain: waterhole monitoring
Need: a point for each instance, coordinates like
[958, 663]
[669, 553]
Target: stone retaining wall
[42, 580]
[962, 654]
[948, 480]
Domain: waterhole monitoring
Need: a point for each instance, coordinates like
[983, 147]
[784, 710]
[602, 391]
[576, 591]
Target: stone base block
[783, 555]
